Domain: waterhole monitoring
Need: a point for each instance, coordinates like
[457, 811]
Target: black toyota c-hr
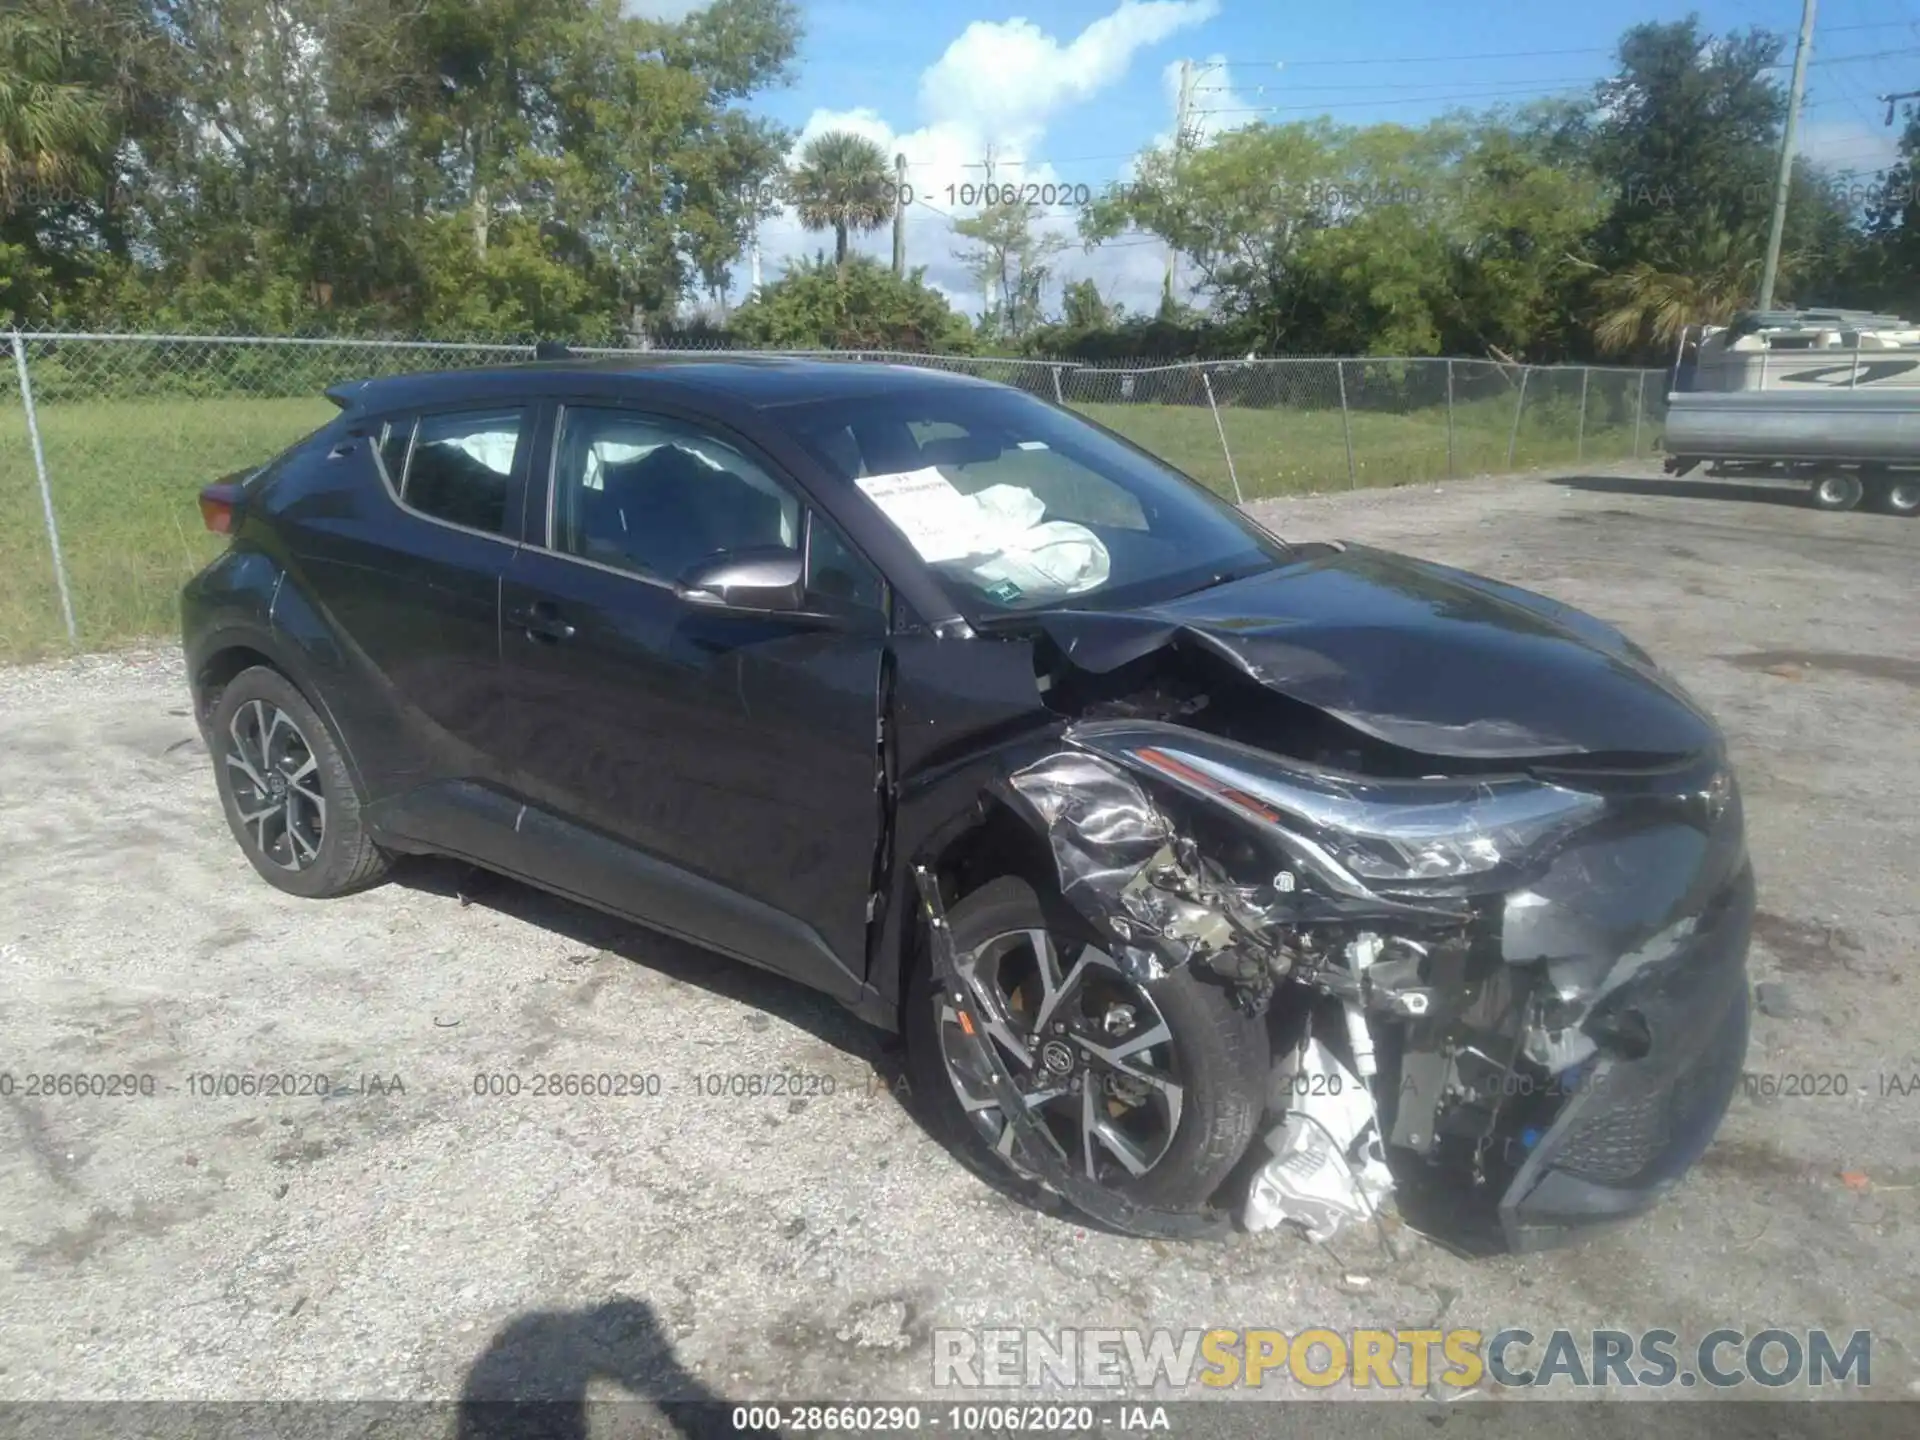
[1149, 829]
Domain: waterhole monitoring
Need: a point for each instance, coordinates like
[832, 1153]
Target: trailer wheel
[1836, 490]
[1895, 495]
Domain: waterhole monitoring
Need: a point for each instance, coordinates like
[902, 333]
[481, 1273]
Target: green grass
[1289, 452]
[125, 475]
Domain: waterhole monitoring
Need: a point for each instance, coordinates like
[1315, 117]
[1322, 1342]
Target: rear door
[711, 771]
[400, 540]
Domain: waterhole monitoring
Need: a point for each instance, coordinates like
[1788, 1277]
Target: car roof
[758, 381]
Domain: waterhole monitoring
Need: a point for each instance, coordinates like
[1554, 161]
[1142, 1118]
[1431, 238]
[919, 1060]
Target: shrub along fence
[105, 440]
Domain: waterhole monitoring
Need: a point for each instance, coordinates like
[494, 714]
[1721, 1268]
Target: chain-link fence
[105, 440]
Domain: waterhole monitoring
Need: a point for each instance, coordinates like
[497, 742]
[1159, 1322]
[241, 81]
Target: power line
[1568, 80]
[1394, 100]
[1470, 95]
[1418, 84]
[1498, 54]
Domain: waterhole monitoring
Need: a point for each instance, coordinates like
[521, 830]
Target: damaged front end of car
[1512, 997]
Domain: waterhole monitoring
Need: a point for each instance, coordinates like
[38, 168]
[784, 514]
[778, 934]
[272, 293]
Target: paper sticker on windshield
[1005, 592]
[938, 521]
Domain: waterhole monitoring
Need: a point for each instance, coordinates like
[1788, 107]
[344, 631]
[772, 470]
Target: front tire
[289, 799]
[1153, 1089]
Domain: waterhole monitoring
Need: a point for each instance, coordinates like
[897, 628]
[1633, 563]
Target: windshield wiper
[1227, 577]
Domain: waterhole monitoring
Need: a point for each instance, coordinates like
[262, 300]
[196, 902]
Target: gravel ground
[414, 1239]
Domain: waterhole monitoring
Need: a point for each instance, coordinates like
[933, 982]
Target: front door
[711, 771]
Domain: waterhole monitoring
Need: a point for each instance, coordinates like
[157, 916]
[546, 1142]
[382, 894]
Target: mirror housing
[763, 578]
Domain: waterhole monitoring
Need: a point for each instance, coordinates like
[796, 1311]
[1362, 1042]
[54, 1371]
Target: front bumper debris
[1542, 1053]
[1634, 1126]
[1329, 1166]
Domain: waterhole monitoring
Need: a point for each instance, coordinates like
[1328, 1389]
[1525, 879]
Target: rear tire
[1835, 491]
[289, 799]
[1218, 1054]
[1895, 494]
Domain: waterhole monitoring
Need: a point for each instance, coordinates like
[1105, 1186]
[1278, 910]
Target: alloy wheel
[1089, 1051]
[276, 785]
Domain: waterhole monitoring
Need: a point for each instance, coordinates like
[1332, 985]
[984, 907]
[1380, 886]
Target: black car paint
[764, 784]
[1417, 655]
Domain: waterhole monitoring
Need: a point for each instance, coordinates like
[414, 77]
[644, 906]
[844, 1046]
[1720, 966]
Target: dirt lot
[414, 1239]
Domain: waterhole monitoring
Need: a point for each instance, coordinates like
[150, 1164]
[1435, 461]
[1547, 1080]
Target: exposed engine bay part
[1329, 1165]
[1037, 1151]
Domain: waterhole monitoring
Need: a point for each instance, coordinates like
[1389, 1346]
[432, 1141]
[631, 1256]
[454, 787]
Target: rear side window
[394, 441]
[457, 468]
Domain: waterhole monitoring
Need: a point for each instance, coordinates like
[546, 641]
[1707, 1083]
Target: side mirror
[758, 579]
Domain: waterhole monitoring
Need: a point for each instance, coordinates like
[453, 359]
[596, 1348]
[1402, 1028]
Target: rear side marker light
[218, 504]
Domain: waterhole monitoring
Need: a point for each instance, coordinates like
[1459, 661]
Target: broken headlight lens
[1357, 831]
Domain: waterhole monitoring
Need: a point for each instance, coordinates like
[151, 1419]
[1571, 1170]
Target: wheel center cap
[277, 785]
[1057, 1056]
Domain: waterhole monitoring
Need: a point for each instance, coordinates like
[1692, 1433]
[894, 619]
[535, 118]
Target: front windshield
[1018, 505]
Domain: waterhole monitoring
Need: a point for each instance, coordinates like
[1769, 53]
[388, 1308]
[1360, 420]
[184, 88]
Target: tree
[859, 305]
[1517, 237]
[1690, 123]
[1645, 307]
[1886, 267]
[842, 184]
[54, 127]
[1009, 261]
[1083, 307]
[306, 163]
[1317, 237]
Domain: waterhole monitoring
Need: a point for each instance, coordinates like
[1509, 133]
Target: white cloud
[1007, 78]
[992, 93]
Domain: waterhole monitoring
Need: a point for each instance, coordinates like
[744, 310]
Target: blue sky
[1070, 89]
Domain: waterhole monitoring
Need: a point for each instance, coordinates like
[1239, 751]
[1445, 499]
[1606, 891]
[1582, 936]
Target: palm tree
[842, 184]
[1648, 304]
[50, 127]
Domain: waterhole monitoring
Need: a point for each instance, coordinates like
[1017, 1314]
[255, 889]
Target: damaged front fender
[1141, 882]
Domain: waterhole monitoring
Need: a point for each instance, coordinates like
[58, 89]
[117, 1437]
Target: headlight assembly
[1355, 831]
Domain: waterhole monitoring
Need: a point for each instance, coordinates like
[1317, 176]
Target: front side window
[458, 467]
[1018, 505]
[835, 572]
[661, 497]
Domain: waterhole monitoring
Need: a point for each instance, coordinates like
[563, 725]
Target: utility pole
[899, 216]
[1800, 53]
[753, 262]
[1182, 115]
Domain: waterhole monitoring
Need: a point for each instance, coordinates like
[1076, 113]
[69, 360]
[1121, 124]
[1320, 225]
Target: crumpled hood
[1418, 655]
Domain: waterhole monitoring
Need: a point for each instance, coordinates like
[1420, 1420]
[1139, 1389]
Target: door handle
[541, 621]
